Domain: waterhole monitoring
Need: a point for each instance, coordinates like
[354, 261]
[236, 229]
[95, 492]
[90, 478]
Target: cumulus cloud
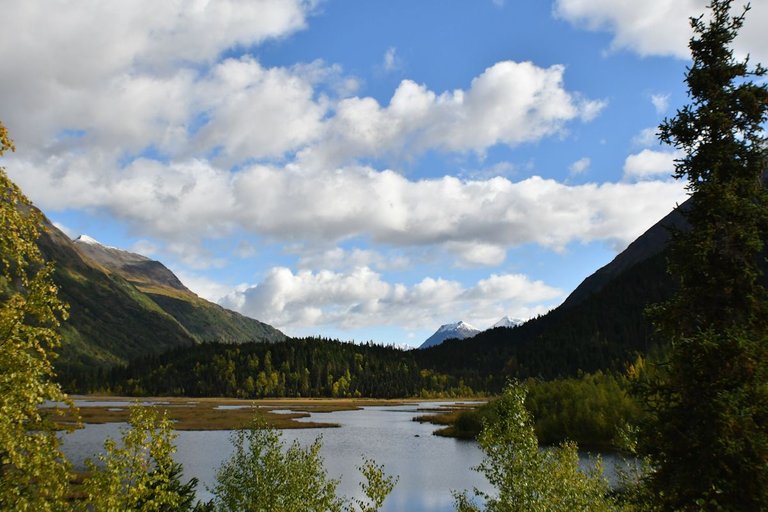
[362, 298]
[509, 103]
[650, 164]
[255, 112]
[660, 27]
[119, 71]
[327, 207]
[137, 80]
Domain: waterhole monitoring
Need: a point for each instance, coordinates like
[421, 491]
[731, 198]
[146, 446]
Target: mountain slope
[649, 244]
[204, 320]
[118, 313]
[458, 330]
[602, 324]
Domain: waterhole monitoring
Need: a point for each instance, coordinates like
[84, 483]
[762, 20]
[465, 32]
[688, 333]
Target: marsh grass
[207, 414]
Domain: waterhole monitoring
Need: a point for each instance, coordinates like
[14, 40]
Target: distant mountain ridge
[601, 325]
[462, 330]
[458, 330]
[124, 305]
[507, 322]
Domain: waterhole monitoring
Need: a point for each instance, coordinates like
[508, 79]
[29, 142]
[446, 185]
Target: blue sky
[363, 170]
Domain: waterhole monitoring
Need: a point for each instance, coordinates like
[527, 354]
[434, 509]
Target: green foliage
[33, 472]
[262, 474]
[526, 478]
[589, 410]
[308, 367]
[376, 487]
[139, 474]
[708, 435]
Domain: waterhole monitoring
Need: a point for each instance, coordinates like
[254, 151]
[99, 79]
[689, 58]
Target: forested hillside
[309, 367]
[603, 331]
[118, 313]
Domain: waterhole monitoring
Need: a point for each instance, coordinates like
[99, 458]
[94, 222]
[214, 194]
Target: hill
[124, 306]
[601, 325]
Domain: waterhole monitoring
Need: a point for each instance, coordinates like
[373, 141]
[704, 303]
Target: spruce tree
[708, 436]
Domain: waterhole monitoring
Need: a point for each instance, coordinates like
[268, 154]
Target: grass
[448, 417]
[207, 414]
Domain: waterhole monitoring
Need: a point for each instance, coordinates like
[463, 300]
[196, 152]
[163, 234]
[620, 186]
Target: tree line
[307, 367]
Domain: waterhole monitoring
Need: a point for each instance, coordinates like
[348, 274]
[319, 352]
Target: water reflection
[429, 467]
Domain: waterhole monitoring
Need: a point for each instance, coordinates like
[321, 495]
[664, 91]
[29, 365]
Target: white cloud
[362, 298]
[580, 165]
[471, 252]
[256, 112]
[172, 202]
[117, 80]
[654, 27]
[119, 70]
[650, 164]
[509, 103]
[660, 102]
[661, 27]
[207, 288]
[131, 81]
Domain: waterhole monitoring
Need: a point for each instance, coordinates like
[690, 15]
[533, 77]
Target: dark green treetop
[708, 435]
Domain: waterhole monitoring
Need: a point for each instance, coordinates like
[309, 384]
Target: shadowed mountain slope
[601, 325]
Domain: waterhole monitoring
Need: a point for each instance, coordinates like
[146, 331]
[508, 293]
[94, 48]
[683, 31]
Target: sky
[362, 170]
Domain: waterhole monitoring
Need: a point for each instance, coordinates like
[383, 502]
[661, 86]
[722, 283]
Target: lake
[429, 467]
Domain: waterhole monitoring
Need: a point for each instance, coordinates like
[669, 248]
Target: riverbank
[223, 413]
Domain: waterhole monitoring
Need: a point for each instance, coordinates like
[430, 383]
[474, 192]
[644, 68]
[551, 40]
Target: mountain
[601, 325]
[507, 322]
[648, 245]
[458, 330]
[136, 268]
[462, 330]
[123, 305]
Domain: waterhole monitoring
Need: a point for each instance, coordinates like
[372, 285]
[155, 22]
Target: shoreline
[215, 413]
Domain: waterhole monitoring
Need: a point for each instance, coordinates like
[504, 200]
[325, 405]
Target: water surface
[429, 467]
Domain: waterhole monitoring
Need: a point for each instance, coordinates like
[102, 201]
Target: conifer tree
[708, 437]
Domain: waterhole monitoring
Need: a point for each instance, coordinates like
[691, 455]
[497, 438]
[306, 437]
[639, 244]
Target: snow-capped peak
[88, 240]
[461, 330]
[85, 239]
[507, 322]
[456, 326]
